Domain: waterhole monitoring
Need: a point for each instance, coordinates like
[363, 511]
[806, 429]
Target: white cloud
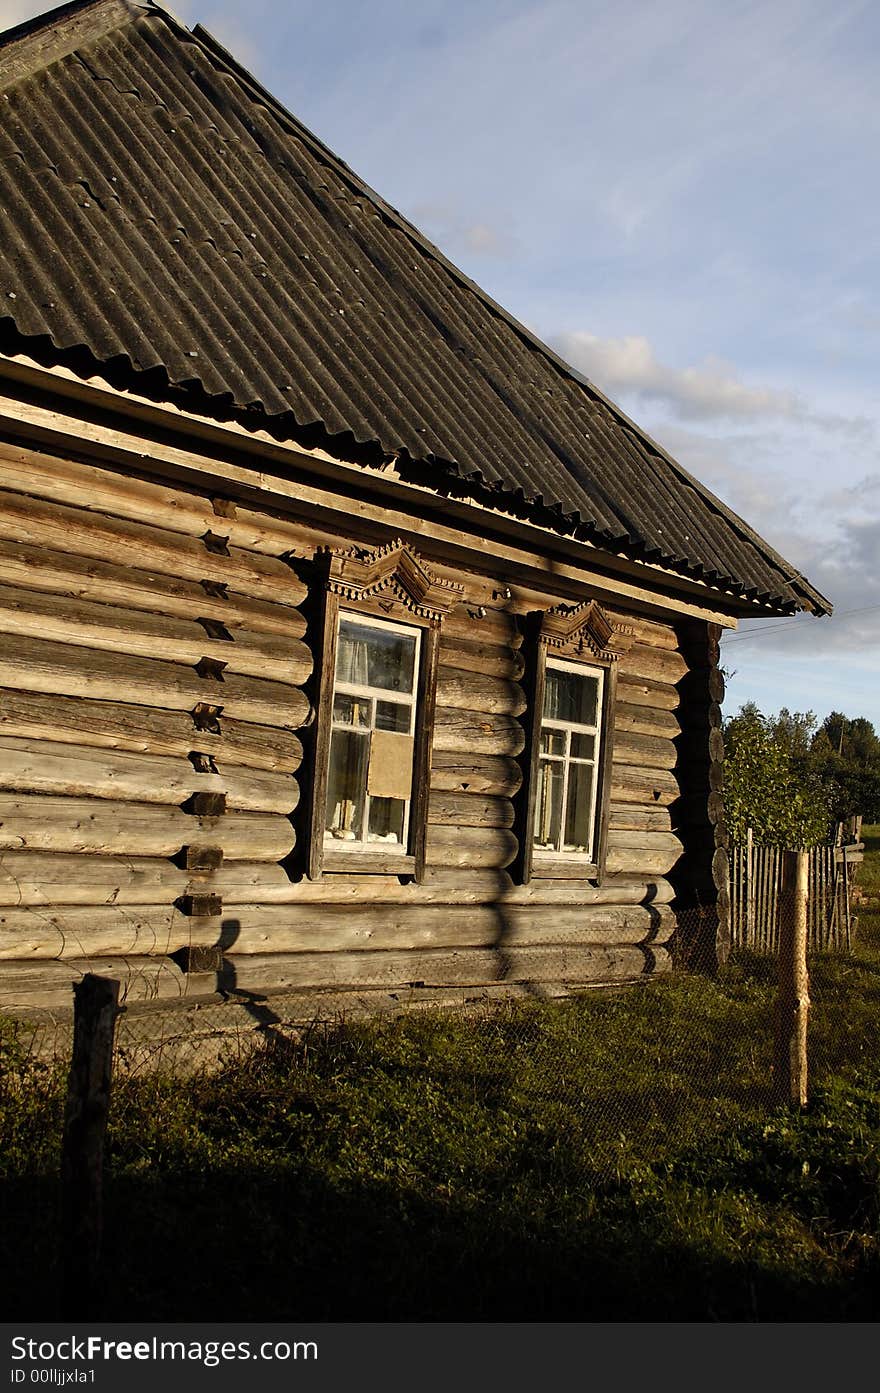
[832, 538]
[711, 389]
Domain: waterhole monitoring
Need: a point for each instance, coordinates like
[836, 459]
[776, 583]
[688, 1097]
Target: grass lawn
[613, 1157]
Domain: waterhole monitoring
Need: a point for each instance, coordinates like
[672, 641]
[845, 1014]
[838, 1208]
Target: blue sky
[679, 197]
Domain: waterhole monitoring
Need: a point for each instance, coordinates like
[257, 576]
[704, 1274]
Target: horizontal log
[56, 879]
[491, 626]
[290, 928]
[636, 691]
[61, 933]
[85, 771]
[86, 624]
[644, 840]
[478, 732]
[637, 861]
[34, 878]
[614, 889]
[697, 719]
[650, 632]
[81, 533]
[646, 751]
[645, 720]
[120, 726]
[474, 691]
[241, 882]
[641, 660]
[470, 846]
[632, 784]
[102, 826]
[635, 816]
[122, 931]
[476, 655]
[462, 773]
[702, 687]
[118, 494]
[469, 810]
[37, 666]
[436, 967]
[49, 985]
[57, 572]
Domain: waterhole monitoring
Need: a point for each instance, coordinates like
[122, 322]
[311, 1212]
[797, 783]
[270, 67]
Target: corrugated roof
[163, 212]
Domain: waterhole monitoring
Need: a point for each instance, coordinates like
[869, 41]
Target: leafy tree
[795, 730]
[845, 753]
[768, 782]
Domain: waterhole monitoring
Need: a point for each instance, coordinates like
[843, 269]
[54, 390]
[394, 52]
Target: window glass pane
[570, 697]
[386, 820]
[390, 715]
[372, 657]
[577, 811]
[552, 741]
[582, 746]
[346, 786]
[548, 805]
[351, 710]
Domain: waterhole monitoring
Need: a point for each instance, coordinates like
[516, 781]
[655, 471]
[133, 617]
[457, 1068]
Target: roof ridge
[37, 43]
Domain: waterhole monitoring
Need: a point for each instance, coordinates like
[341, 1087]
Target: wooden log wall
[701, 878]
[152, 675]
[154, 706]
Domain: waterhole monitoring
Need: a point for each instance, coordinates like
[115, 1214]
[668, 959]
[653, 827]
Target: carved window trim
[571, 634]
[393, 584]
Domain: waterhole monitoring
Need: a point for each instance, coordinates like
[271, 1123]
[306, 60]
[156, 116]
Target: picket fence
[755, 886]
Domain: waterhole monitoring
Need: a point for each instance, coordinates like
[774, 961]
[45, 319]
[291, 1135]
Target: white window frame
[368, 845]
[543, 853]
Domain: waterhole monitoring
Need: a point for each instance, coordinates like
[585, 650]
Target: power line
[794, 624]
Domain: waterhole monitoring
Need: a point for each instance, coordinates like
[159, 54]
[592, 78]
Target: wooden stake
[750, 910]
[85, 1123]
[793, 999]
[846, 904]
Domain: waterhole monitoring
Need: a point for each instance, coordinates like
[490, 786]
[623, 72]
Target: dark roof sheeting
[162, 210]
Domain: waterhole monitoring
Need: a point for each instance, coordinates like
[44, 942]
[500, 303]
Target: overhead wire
[794, 623]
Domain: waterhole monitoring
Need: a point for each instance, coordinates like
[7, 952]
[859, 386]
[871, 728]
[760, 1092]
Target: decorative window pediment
[360, 573]
[578, 631]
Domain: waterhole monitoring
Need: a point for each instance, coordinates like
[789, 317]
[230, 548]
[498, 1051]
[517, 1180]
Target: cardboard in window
[391, 765]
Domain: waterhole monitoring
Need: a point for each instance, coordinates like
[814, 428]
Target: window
[562, 818]
[366, 804]
[565, 821]
[372, 736]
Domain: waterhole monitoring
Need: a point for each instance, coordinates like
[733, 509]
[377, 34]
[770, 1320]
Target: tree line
[792, 779]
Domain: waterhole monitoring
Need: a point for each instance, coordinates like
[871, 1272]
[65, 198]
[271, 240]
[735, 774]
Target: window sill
[378, 862]
[563, 868]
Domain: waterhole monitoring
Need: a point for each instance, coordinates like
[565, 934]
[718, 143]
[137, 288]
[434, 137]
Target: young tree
[768, 784]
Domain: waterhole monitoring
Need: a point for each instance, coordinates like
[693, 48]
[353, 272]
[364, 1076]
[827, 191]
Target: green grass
[869, 871]
[615, 1157]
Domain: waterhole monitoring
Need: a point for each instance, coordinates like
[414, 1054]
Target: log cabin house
[350, 640]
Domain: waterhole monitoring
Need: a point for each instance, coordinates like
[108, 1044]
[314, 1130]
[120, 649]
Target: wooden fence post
[793, 998]
[82, 1157]
[750, 915]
